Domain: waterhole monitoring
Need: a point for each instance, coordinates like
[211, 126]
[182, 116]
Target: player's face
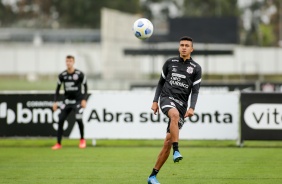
[69, 63]
[185, 48]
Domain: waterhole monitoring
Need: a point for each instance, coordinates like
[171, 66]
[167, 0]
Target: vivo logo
[264, 116]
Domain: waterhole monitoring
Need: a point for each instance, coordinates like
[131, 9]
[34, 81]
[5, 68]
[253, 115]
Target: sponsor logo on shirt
[176, 80]
[177, 101]
[69, 86]
[178, 75]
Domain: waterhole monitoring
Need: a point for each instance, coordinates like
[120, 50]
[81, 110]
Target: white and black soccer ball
[143, 28]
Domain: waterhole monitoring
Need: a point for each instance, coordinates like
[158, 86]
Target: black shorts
[166, 103]
[71, 105]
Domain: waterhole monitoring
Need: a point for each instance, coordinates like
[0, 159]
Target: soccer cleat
[57, 146]
[82, 143]
[153, 180]
[177, 156]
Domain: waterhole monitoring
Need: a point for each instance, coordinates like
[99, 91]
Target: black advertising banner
[200, 29]
[215, 87]
[30, 115]
[261, 116]
[225, 87]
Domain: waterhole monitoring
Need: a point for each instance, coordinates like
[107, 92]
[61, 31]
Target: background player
[180, 76]
[74, 100]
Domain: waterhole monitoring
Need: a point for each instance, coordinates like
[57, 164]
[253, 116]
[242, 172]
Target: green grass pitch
[29, 161]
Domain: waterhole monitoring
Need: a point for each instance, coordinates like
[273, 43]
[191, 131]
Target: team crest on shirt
[190, 69]
[62, 106]
[75, 76]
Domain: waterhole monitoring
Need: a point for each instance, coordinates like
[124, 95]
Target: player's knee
[167, 146]
[61, 122]
[60, 127]
[167, 142]
[174, 117]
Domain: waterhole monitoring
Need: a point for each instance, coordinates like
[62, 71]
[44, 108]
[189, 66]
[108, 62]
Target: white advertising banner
[128, 115]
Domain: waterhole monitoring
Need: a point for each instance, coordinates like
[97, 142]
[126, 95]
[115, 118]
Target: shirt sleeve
[161, 82]
[59, 83]
[196, 88]
[84, 83]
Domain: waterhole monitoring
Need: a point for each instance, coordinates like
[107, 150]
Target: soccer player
[180, 77]
[74, 99]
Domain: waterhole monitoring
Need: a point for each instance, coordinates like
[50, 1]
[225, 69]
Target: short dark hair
[70, 57]
[187, 38]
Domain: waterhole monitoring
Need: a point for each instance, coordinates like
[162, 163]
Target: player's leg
[173, 115]
[164, 154]
[171, 109]
[62, 117]
[78, 117]
[162, 157]
[174, 127]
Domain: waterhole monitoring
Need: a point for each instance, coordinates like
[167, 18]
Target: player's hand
[83, 103]
[189, 113]
[155, 107]
[55, 106]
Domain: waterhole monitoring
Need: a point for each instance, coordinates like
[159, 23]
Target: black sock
[81, 128]
[154, 172]
[175, 146]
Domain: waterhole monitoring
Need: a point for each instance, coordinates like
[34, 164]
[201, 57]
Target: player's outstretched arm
[189, 113]
[196, 88]
[155, 107]
[55, 106]
[57, 92]
[83, 103]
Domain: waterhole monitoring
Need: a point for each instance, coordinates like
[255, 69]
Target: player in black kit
[74, 100]
[181, 76]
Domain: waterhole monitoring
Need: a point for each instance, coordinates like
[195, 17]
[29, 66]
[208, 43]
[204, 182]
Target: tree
[6, 15]
[193, 8]
[66, 13]
[87, 13]
[263, 18]
[211, 8]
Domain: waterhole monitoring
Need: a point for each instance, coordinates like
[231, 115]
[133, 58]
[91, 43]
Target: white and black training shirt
[72, 85]
[178, 79]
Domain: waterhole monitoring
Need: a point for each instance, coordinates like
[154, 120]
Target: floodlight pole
[280, 24]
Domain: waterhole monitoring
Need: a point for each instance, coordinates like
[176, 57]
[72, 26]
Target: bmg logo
[23, 115]
[9, 114]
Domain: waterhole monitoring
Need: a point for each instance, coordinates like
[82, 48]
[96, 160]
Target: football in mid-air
[143, 28]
